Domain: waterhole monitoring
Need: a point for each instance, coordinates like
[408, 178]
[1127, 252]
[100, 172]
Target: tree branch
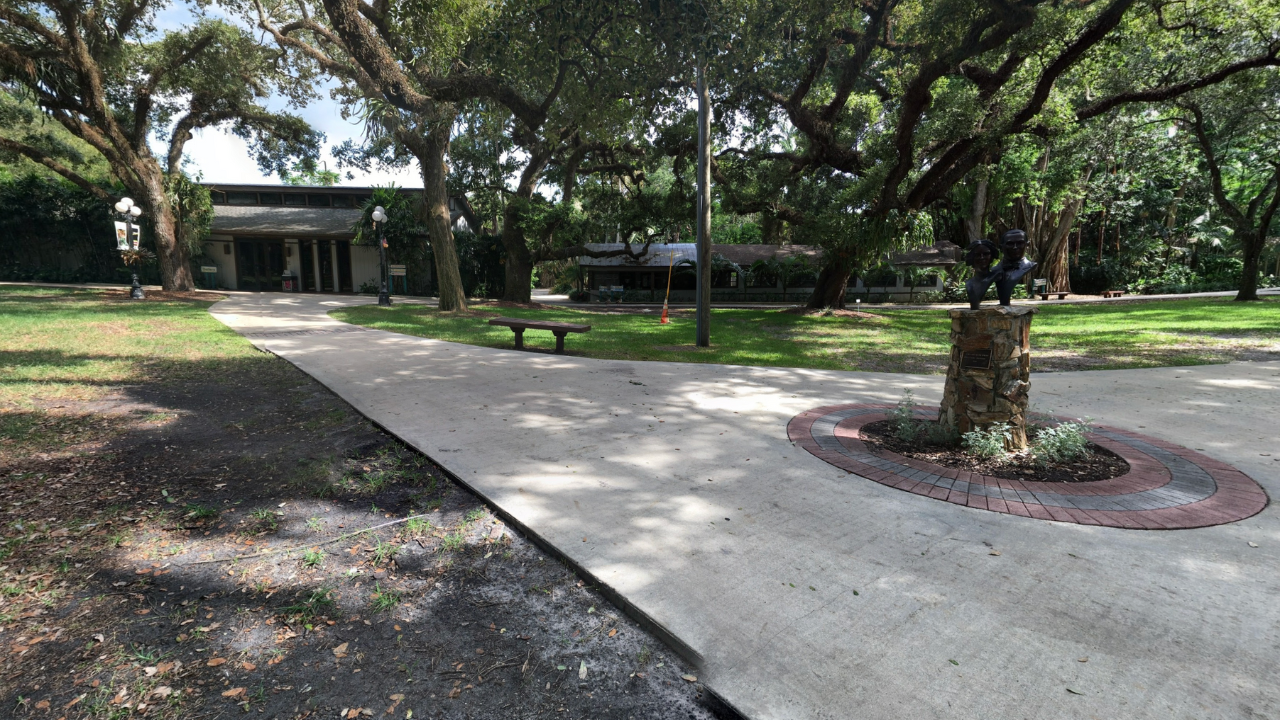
[1169, 92]
[46, 160]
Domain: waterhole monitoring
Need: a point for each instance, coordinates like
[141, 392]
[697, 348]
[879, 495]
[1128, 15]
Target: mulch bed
[1100, 464]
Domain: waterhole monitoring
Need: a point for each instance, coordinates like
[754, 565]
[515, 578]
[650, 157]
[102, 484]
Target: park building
[755, 273]
[288, 237]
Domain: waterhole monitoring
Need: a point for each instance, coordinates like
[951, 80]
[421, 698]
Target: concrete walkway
[811, 593]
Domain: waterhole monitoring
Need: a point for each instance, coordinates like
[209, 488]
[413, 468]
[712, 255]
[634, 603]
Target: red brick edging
[1168, 486]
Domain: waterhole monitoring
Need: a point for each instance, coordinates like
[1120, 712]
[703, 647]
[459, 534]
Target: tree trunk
[828, 291]
[973, 225]
[174, 257]
[1252, 247]
[435, 200]
[519, 262]
[1057, 255]
[518, 270]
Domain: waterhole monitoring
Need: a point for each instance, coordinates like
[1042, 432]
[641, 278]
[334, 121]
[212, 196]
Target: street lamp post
[379, 217]
[128, 213]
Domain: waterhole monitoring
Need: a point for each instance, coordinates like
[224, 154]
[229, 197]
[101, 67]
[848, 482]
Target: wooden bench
[1112, 293]
[560, 329]
[1040, 286]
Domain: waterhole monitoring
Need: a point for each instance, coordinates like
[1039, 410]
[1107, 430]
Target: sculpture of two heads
[1013, 246]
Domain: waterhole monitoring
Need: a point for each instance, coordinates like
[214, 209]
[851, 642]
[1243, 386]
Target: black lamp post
[379, 217]
[130, 212]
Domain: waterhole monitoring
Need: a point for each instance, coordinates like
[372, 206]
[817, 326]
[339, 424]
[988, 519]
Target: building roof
[659, 256]
[280, 187]
[288, 221]
[940, 254]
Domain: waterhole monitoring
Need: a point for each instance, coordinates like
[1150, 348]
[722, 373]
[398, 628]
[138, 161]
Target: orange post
[670, 263]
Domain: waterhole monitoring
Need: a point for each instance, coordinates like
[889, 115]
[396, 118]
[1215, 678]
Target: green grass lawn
[1064, 337]
[62, 348]
[58, 343]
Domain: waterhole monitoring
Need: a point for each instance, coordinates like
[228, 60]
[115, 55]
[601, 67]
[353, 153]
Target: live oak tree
[105, 73]
[899, 101]
[557, 79]
[392, 80]
[1235, 127]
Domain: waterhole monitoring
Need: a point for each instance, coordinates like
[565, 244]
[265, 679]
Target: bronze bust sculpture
[1013, 267]
[981, 253]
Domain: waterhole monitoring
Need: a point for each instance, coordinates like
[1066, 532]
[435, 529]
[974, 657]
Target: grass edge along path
[1064, 337]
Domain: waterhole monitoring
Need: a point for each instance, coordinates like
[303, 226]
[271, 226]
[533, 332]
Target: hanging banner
[135, 236]
[122, 236]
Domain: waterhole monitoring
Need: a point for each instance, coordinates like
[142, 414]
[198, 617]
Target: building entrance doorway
[259, 265]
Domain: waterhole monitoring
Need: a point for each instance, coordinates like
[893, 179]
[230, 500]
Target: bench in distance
[560, 329]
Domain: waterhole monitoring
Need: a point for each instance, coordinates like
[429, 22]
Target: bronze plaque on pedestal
[976, 359]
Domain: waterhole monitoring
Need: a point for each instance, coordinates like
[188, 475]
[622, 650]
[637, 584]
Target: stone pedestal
[989, 375]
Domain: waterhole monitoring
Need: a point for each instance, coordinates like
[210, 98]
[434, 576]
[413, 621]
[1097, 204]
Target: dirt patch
[509, 304]
[831, 312]
[166, 295]
[200, 549]
[1100, 464]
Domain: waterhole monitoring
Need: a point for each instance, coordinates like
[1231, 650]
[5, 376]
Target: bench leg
[519, 337]
[559, 343]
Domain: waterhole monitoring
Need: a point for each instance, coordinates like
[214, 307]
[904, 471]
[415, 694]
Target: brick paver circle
[1168, 486]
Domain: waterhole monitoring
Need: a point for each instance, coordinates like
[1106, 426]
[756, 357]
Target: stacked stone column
[989, 376]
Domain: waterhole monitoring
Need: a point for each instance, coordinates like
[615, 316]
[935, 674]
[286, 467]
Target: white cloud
[222, 157]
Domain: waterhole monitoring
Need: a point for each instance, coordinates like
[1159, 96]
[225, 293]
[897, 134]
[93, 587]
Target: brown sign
[976, 359]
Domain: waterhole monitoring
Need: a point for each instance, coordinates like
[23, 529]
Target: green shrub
[938, 433]
[903, 418]
[987, 443]
[1063, 443]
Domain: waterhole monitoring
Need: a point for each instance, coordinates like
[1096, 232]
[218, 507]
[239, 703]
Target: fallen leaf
[454, 693]
[249, 666]
[613, 632]
[215, 662]
[953, 662]
[1083, 659]
[1073, 692]
[164, 667]
[275, 660]
[42, 705]
[149, 671]
[994, 552]
[582, 669]
[340, 651]
[73, 702]
[1253, 544]
[99, 637]
[689, 678]
[233, 692]
[163, 691]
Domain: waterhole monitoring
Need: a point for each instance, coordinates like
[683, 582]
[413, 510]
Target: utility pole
[703, 312]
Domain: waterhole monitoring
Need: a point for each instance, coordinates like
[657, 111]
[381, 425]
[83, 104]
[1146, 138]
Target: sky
[220, 157]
